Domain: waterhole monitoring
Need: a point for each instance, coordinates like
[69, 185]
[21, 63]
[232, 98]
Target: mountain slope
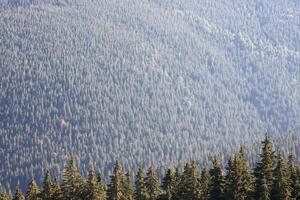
[143, 81]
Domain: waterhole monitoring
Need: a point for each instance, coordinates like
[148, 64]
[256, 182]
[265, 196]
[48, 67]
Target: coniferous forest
[273, 177]
[148, 83]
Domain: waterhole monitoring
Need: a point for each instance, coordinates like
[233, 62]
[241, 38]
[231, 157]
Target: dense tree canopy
[144, 82]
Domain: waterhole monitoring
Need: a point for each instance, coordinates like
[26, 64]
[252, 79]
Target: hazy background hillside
[146, 82]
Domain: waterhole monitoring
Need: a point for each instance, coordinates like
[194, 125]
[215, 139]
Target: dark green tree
[140, 186]
[189, 187]
[47, 191]
[205, 184]
[102, 186]
[264, 171]
[294, 177]
[168, 185]
[128, 187]
[33, 191]
[116, 187]
[72, 182]
[18, 195]
[4, 195]
[152, 184]
[57, 191]
[239, 181]
[92, 189]
[281, 187]
[217, 181]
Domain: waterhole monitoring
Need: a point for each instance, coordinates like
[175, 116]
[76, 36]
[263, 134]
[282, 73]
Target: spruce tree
[3, 195]
[140, 186]
[46, 191]
[217, 181]
[18, 195]
[168, 185]
[57, 191]
[128, 188]
[101, 186]
[264, 171]
[205, 184]
[281, 187]
[294, 177]
[92, 190]
[33, 191]
[72, 182]
[239, 181]
[152, 184]
[115, 187]
[189, 187]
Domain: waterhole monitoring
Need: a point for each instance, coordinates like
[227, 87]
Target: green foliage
[116, 185]
[217, 181]
[205, 184]
[152, 184]
[47, 189]
[167, 79]
[281, 189]
[33, 191]
[140, 186]
[239, 180]
[72, 185]
[264, 171]
[234, 183]
[18, 195]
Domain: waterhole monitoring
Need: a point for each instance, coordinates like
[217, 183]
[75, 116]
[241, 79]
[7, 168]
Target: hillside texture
[145, 82]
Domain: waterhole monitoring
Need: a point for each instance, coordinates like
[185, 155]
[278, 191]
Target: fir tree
[140, 187]
[189, 187]
[217, 181]
[205, 184]
[33, 191]
[18, 195]
[101, 186]
[3, 195]
[72, 182]
[128, 187]
[152, 184]
[239, 181]
[264, 171]
[115, 187]
[294, 177]
[46, 191]
[57, 192]
[281, 187]
[168, 185]
[92, 190]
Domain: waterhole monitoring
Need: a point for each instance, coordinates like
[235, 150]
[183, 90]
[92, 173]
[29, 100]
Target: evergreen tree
[115, 187]
[217, 181]
[101, 186]
[168, 185]
[46, 191]
[57, 192]
[281, 187]
[140, 186]
[33, 191]
[72, 182]
[294, 177]
[205, 184]
[128, 188]
[3, 195]
[189, 187]
[152, 184]
[18, 195]
[92, 189]
[264, 171]
[239, 181]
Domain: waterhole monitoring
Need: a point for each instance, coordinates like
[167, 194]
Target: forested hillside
[273, 178]
[145, 82]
